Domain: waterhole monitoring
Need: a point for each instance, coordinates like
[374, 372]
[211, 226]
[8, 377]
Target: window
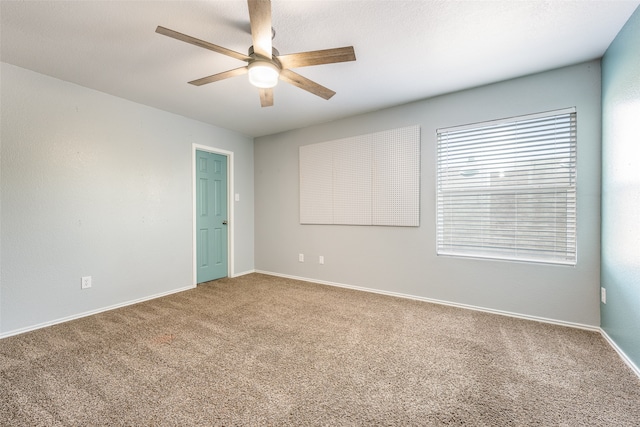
[506, 189]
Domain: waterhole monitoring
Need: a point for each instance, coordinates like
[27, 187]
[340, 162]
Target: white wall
[97, 185]
[403, 260]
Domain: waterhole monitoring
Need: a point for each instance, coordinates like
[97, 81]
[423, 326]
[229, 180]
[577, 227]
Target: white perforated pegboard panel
[396, 177]
[352, 182]
[369, 179]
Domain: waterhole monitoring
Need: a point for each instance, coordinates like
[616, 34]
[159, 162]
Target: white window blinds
[507, 189]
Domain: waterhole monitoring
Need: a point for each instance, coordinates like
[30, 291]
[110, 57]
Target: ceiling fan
[265, 64]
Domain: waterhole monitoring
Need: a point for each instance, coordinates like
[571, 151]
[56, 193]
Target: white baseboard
[92, 312]
[243, 273]
[441, 302]
[621, 353]
[103, 309]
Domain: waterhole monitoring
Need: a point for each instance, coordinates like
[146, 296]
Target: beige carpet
[259, 350]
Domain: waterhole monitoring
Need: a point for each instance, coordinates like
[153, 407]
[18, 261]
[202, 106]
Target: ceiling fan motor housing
[274, 56]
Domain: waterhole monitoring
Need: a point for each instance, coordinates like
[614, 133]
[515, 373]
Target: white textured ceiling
[406, 50]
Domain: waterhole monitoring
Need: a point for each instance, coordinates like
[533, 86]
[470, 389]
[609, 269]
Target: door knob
[224, 222]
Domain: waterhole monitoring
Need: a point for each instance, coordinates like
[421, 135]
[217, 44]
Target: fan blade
[306, 84]
[197, 42]
[260, 18]
[318, 57]
[266, 97]
[220, 76]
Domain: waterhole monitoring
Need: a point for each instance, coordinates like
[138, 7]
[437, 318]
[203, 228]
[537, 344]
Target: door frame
[230, 208]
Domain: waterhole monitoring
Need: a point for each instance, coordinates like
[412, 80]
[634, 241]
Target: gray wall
[97, 185]
[621, 189]
[403, 260]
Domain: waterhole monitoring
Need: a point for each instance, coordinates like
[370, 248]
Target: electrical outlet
[301, 257]
[86, 282]
[321, 259]
[603, 295]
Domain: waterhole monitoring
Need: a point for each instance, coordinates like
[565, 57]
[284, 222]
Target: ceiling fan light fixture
[263, 74]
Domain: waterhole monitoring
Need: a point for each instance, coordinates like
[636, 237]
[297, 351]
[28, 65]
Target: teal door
[211, 216]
